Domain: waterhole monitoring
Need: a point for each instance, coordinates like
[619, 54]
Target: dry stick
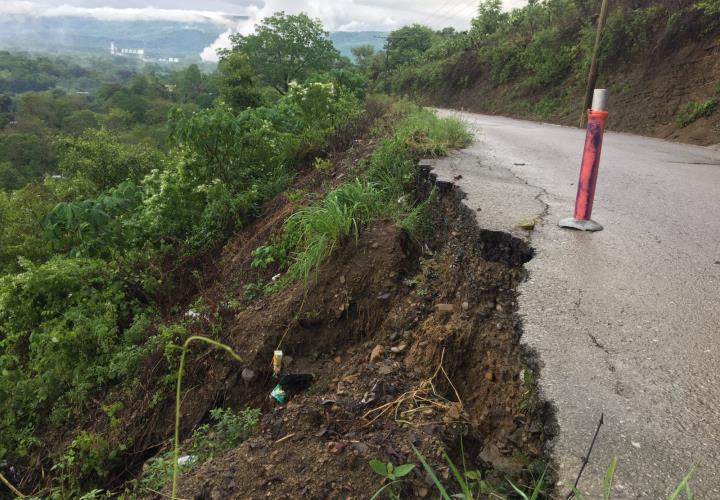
[415, 394]
[586, 458]
[11, 487]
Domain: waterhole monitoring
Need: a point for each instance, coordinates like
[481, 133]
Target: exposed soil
[450, 369]
[647, 91]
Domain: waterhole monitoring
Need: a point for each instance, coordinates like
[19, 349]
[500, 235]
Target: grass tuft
[314, 232]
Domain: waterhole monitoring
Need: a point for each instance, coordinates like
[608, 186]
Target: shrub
[696, 110]
[88, 457]
[60, 340]
[99, 157]
[226, 430]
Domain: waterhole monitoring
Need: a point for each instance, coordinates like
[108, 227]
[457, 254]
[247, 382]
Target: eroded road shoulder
[625, 320]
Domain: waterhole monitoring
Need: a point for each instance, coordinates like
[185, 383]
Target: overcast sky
[337, 15]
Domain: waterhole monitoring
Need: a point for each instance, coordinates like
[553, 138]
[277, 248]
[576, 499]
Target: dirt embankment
[406, 343]
[410, 340]
[648, 91]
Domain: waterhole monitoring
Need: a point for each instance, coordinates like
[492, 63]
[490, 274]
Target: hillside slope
[648, 94]
[660, 61]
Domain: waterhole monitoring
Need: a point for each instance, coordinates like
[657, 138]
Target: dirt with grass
[407, 343]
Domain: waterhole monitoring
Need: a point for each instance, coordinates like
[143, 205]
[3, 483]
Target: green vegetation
[469, 484]
[536, 53]
[64, 323]
[697, 110]
[391, 473]
[51, 108]
[225, 430]
[106, 199]
[312, 233]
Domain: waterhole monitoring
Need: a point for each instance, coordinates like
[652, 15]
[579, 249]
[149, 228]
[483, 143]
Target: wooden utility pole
[592, 76]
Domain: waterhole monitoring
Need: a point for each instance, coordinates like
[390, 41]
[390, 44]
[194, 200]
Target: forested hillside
[163, 234]
[660, 61]
[52, 106]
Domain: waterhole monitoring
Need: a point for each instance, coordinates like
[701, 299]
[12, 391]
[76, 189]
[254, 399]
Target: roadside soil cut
[407, 343]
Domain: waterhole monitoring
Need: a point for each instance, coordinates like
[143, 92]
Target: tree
[77, 121]
[236, 81]
[407, 44]
[490, 18]
[97, 156]
[363, 56]
[286, 48]
[10, 178]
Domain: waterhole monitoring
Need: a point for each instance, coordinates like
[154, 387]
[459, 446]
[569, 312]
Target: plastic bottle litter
[186, 460]
[291, 384]
[277, 363]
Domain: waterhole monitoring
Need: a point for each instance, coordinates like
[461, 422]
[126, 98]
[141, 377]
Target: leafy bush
[226, 430]
[98, 156]
[88, 456]
[548, 58]
[87, 227]
[61, 338]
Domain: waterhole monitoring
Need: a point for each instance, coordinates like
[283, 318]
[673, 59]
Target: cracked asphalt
[626, 321]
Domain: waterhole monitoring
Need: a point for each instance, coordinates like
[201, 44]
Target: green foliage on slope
[92, 256]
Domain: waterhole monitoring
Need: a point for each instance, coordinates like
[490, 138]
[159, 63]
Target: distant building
[139, 54]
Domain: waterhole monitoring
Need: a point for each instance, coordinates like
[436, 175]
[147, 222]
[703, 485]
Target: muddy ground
[408, 342]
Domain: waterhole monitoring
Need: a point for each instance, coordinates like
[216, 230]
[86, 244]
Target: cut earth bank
[409, 341]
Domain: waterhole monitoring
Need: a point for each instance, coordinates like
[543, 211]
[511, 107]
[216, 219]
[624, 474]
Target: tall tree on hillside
[489, 19]
[407, 44]
[286, 48]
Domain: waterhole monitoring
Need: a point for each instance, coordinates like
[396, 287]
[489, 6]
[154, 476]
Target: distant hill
[82, 35]
[159, 39]
[346, 40]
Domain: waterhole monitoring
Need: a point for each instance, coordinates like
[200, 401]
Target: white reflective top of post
[600, 99]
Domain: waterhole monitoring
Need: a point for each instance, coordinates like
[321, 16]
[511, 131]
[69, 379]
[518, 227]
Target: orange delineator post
[589, 166]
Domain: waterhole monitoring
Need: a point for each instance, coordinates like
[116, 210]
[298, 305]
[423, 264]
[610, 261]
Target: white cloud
[223, 42]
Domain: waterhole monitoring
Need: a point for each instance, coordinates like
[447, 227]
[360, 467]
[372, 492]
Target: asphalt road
[626, 321]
